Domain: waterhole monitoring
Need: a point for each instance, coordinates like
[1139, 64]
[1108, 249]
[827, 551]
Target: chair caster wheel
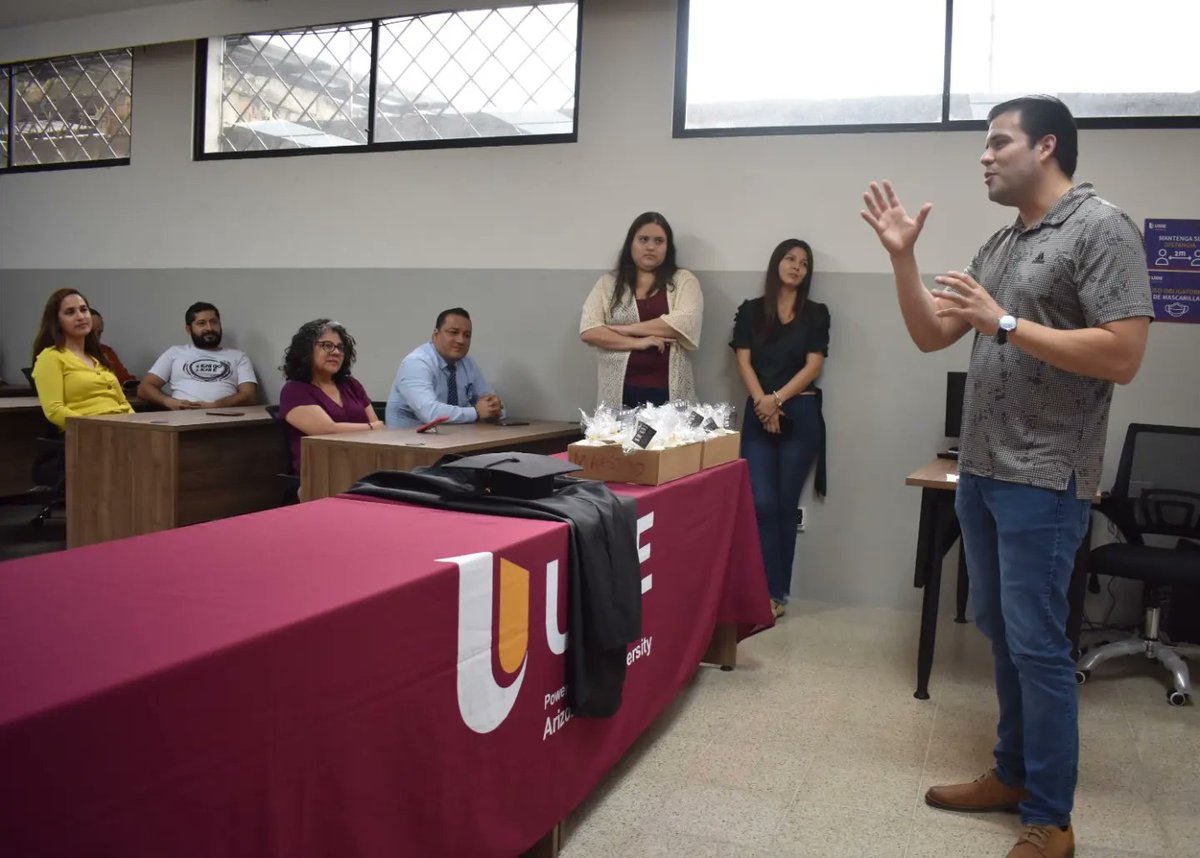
[1081, 676]
[1176, 698]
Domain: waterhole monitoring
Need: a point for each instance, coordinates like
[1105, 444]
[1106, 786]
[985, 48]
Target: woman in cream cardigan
[644, 320]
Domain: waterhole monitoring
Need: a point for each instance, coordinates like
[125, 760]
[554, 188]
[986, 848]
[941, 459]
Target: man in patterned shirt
[1059, 302]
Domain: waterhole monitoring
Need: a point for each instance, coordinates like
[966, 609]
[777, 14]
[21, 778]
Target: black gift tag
[710, 425]
[695, 419]
[644, 434]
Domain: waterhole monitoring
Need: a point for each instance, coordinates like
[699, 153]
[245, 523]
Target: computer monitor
[956, 382]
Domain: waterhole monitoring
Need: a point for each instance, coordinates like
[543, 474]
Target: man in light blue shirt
[437, 379]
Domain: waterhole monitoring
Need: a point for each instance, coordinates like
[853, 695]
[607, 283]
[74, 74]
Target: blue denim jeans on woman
[1021, 543]
[779, 465]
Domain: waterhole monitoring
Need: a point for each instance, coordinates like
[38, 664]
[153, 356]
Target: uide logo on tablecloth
[482, 701]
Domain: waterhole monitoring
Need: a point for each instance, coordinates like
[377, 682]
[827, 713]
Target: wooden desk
[21, 421]
[129, 474]
[937, 531]
[330, 464]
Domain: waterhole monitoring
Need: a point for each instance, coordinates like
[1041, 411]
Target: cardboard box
[721, 449]
[608, 462]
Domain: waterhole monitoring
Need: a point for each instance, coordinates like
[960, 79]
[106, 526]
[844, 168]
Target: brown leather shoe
[985, 794]
[1044, 841]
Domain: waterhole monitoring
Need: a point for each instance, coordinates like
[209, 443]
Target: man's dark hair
[196, 309]
[453, 311]
[1040, 115]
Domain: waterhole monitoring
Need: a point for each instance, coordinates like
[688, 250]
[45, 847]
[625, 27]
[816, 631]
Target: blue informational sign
[1173, 260]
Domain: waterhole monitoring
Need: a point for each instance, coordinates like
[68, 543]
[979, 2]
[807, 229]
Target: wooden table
[330, 464]
[21, 421]
[936, 533]
[129, 474]
[198, 692]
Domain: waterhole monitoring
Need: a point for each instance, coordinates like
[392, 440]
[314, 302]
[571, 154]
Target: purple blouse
[296, 393]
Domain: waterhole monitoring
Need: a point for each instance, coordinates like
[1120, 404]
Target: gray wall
[518, 234]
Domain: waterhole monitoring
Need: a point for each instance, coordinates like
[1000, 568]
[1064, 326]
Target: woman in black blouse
[781, 341]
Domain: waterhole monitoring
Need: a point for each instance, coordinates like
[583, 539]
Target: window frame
[679, 128]
[201, 99]
[9, 168]
[8, 122]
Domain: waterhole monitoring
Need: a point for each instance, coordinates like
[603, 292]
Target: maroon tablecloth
[342, 678]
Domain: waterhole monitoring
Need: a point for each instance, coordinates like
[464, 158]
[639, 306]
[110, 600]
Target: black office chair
[1156, 495]
[289, 480]
[380, 406]
[49, 472]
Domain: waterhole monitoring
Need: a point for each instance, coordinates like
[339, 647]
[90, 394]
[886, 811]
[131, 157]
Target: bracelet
[778, 401]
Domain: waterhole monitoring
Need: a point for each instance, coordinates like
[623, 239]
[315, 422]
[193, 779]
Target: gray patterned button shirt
[1023, 420]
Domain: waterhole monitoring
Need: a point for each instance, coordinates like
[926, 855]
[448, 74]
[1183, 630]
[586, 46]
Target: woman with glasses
[321, 397]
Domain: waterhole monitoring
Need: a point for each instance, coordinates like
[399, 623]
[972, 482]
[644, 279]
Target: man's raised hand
[896, 230]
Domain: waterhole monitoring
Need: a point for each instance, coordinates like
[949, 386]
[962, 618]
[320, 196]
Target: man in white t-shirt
[201, 375]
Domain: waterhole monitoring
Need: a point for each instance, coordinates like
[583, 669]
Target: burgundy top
[114, 363]
[649, 367]
[296, 393]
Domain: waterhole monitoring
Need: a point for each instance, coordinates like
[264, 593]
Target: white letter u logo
[483, 703]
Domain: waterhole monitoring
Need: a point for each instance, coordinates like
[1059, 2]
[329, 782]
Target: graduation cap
[516, 475]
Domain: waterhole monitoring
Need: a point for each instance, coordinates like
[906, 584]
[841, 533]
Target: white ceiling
[21, 13]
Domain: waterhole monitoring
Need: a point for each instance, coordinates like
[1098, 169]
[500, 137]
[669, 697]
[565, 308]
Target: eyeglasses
[331, 348]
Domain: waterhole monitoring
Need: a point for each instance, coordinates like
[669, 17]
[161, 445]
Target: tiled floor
[815, 746]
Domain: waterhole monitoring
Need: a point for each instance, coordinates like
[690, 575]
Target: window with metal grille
[782, 67]
[470, 77]
[69, 111]
[4, 94]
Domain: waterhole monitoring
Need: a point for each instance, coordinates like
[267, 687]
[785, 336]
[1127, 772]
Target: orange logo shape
[483, 702]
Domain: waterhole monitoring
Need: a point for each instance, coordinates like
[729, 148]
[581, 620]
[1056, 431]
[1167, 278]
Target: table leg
[964, 585]
[1077, 589]
[722, 649]
[929, 612]
[548, 846]
[926, 535]
[939, 531]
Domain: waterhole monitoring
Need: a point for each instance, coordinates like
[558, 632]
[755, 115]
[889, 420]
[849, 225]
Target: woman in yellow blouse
[71, 374]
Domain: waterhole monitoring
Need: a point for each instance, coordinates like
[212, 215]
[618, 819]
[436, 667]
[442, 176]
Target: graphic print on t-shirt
[208, 369]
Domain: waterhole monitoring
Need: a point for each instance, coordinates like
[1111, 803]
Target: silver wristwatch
[1007, 324]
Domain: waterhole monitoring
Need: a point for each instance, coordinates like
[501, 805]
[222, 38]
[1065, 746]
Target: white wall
[729, 199]
[531, 226]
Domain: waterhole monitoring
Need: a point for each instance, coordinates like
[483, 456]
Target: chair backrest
[49, 462]
[1157, 490]
[273, 410]
[49, 430]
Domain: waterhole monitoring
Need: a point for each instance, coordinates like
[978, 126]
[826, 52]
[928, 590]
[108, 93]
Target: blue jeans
[779, 465]
[1020, 544]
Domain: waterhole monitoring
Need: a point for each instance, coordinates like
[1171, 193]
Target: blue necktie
[452, 395]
